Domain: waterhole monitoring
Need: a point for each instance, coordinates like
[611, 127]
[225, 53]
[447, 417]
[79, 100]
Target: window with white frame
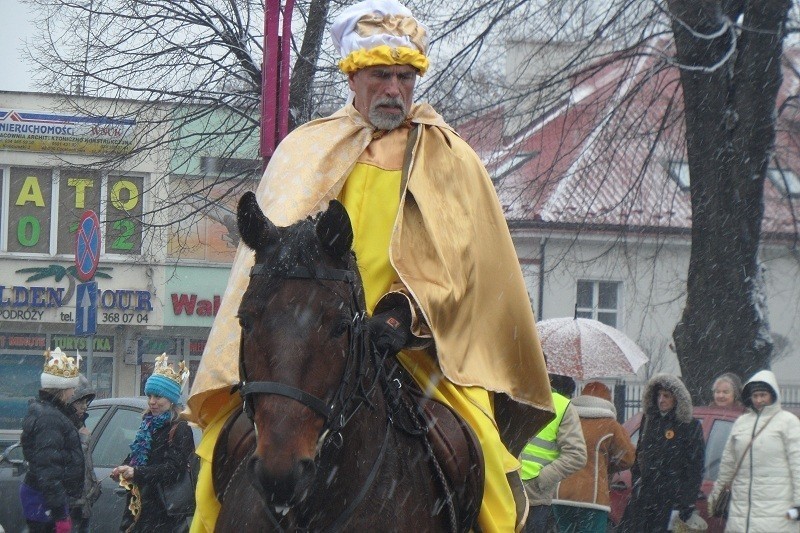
[599, 300]
[679, 172]
[786, 181]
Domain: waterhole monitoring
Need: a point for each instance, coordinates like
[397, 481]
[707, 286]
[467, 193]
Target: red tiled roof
[601, 157]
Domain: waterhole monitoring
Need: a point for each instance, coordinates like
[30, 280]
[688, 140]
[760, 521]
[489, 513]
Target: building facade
[162, 267]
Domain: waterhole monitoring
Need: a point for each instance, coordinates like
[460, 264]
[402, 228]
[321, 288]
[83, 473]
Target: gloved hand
[64, 525]
[793, 513]
[390, 330]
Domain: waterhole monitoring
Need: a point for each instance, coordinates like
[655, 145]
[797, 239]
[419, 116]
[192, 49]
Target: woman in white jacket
[767, 485]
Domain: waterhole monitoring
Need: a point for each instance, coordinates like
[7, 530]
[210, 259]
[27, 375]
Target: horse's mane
[298, 246]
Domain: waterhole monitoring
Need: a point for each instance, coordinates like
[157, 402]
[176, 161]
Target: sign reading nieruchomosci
[36, 131]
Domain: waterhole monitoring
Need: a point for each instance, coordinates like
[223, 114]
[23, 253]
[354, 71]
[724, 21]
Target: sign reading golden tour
[36, 131]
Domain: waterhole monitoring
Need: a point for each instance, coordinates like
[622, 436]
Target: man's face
[666, 401]
[383, 94]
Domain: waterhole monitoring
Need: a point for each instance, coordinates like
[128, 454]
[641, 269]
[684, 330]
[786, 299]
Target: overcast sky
[14, 75]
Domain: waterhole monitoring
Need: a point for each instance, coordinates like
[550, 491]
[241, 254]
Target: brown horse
[337, 444]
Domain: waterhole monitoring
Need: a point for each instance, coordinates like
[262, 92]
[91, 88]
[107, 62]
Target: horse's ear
[255, 229]
[334, 230]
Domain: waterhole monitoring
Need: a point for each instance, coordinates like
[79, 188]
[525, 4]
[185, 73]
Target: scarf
[140, 448]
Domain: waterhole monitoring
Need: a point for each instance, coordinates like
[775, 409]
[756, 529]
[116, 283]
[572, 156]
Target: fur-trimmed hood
[594, 407]
[683, 400]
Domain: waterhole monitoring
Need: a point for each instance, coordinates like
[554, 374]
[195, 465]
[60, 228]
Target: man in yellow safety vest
[555, 453]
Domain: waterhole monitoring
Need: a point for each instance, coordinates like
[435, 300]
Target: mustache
[388, 101]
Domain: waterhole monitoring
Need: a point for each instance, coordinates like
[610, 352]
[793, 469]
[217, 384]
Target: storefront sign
[23, 341]
[190, 304]
[151, 347]
[70, 343]
[195, 295]
[36, 131]
[196, 346]
[33, 218]
[42, 303]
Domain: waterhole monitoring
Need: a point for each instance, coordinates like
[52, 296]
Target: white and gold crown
[166, 370]
[379, 32]
[60, 371]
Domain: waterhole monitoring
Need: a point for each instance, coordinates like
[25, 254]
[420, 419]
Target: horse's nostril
[288, 489]
[305, 468]
[303, 474]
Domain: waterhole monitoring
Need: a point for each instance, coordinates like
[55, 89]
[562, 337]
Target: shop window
[20, 379]
[599, 300]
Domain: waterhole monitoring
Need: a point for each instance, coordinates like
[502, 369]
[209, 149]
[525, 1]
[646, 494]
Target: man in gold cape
[430, 237]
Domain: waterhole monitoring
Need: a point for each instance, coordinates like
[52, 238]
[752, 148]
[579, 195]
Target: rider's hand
[390, 330]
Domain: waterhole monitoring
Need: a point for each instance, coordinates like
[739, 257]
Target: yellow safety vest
[542, 449]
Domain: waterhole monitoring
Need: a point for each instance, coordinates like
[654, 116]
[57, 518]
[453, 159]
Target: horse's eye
[246, 323]
[340, 328]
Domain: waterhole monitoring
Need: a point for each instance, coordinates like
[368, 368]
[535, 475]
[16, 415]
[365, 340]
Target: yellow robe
[371, 196]
[450, 248]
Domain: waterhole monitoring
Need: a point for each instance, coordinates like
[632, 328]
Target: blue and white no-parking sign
[87, 246]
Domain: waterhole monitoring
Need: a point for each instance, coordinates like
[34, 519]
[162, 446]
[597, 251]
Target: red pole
[283, 87]
[275, 77]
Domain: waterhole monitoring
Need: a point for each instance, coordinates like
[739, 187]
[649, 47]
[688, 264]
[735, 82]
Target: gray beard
[385, 121]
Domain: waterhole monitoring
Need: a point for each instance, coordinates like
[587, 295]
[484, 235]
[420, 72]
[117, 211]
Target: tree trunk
[730, 83]
[300, 88]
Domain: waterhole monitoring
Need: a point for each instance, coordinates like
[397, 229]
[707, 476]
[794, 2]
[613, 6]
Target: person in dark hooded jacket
[81, 509]
[670, 459]
[52, 447]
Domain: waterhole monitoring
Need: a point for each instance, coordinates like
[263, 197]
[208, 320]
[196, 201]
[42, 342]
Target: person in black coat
[52, 447]
[81, 509]
[670, 459]
[160, 452]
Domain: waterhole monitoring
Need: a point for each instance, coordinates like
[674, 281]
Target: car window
[112, 445]
[95, 414]
[715, 445]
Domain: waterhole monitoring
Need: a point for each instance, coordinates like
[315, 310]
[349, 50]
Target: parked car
[113, 423]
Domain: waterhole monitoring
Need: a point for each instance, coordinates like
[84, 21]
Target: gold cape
[450, 246]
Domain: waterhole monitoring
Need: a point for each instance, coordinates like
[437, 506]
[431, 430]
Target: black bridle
[356, 345]
[358, 355]
[358, 352]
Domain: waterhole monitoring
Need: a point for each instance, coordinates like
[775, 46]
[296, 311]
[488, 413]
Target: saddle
[457, 450]
[455, 447]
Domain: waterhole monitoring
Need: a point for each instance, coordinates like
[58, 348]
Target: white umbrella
[584, 349]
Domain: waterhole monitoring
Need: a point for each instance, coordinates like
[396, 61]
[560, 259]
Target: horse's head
[297, 318]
